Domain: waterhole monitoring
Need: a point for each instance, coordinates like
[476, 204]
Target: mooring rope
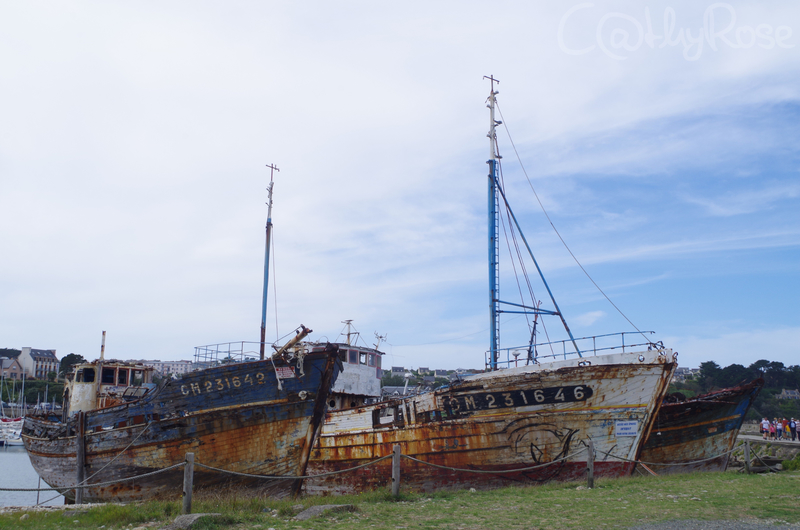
[101, 469]
[768, 466]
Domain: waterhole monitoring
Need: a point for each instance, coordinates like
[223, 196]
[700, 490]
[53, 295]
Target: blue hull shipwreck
[258, 417]
[687, 432]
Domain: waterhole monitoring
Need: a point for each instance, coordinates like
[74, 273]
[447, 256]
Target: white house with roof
[11, 368]
[38, 363]
[170, 367]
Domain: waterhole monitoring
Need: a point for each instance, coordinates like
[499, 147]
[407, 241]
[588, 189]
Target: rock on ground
[186, 521]
[322, 508]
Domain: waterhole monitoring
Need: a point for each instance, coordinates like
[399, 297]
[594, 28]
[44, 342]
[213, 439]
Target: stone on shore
[314, 511]
[186, 521]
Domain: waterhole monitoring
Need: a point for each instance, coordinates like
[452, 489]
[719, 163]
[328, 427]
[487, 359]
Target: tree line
[776, 375]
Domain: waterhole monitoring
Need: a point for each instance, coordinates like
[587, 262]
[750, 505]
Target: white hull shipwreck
[479, 429]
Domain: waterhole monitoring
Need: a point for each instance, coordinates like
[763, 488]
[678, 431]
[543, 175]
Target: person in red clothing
[772, 429]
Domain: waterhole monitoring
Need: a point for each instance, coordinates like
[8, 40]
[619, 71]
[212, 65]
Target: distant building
[170, 367]
[788, 394]
[11, 368]
[38, 363]
[682, 373]
[423, 369]
[397, 391]
[441, 373]
[398, 370]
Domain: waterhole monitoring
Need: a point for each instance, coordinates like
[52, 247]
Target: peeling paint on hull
[502, 420]
[699, 428]
[232, 417]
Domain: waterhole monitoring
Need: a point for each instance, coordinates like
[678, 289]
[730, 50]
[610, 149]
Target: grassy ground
[619, 503]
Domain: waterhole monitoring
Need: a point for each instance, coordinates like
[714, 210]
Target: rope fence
[664, 464]
[99, 484]
[293, 477]
[396, 457]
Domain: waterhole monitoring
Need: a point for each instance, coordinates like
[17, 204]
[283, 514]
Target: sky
[661, 138]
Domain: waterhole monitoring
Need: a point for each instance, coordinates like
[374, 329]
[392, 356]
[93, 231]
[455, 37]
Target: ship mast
[266, 259]
[496, 193]
[494, 266]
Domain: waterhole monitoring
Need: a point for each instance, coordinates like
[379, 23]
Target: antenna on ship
[381, 338]
[348, 324]
[272, 171]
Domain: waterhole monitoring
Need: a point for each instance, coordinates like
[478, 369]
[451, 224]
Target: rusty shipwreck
[512, 424]
[257, 417]
[687, 432]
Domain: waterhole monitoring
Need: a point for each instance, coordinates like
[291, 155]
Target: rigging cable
[556, 230]
[521, 261]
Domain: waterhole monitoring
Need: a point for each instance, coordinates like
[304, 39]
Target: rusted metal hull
[699, 428]
[504, 420]
[233, 417]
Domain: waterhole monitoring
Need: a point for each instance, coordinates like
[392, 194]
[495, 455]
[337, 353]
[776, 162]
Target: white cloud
[746, 201]
[587, 319]
[132, 163]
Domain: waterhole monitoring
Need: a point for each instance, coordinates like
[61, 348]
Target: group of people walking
[779, 429]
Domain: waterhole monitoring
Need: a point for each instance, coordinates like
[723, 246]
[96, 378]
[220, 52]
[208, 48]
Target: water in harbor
[17, 472]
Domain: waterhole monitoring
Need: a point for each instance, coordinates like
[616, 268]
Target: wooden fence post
[590, 465]
[747, 456]
[188, 479]
[396, 470]
[80, 439]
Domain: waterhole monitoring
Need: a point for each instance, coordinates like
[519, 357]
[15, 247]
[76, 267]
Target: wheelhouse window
[122, 377]
[85, 375]
[353, 357]
[371, 359]
[363, 358]
[108, 376]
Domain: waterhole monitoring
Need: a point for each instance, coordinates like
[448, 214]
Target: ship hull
[233, 417]
[507, 420]
[696, 429]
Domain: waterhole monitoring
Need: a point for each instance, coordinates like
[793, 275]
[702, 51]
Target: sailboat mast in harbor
[266, 258]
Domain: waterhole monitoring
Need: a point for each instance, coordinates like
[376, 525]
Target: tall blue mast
[266, 259]
[494, 240]
[495, 194]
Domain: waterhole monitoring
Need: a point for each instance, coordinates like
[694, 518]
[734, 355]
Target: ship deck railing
[212, 355]
[565, 349]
